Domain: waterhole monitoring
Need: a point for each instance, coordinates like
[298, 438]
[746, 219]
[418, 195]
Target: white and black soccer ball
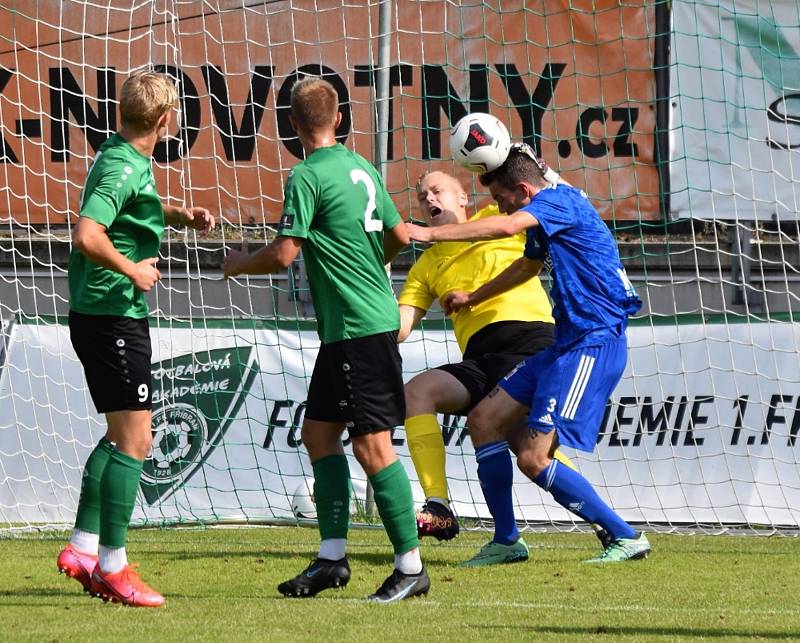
[303, 505]
[480, 142]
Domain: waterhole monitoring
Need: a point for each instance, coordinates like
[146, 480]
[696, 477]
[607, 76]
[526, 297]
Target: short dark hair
[518, 167]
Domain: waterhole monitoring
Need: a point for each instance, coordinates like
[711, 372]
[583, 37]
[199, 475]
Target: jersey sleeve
[109, 191]
[553, 209]
[416, 291]
[533, 247]
[299, 204]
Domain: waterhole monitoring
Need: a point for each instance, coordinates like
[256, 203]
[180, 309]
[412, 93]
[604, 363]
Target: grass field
[220, 586]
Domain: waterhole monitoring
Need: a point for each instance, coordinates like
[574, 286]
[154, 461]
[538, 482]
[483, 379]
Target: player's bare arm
[517, 273]
[410, 316]
[394, 240]
[196, 218]
[274, 257]
[91, 239]
[483, 229]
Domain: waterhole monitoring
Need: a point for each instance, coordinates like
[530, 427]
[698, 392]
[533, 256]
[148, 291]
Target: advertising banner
[735, 121]
[574, 79]
[703, 427]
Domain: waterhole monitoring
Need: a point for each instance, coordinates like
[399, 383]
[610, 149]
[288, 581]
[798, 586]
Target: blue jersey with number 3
[592, 296]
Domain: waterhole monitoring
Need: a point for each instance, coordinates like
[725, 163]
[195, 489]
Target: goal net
[680, 120]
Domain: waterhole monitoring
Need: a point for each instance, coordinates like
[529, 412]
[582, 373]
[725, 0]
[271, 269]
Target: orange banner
[562, 74]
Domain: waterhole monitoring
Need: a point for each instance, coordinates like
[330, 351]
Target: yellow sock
[427, 451]
[564, 460]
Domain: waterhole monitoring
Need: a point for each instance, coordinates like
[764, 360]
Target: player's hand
[145, 274]
[418, 233]
[198, 219]
[454, 301]
[233, 263]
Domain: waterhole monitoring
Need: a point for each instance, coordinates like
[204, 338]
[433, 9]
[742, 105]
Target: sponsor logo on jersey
[287, 221]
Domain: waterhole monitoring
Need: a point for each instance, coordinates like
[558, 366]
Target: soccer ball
[480, 142]
[303, 506]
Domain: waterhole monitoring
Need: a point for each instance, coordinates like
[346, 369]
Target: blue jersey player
[562, 391]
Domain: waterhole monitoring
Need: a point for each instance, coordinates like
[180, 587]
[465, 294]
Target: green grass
[220, 586]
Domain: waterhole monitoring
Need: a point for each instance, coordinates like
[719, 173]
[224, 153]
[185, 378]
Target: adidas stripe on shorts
[567, 391]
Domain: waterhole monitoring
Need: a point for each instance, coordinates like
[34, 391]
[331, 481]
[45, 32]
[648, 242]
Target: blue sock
[496, 473]
[573, 492]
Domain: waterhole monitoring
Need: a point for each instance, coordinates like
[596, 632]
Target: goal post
[691, 161]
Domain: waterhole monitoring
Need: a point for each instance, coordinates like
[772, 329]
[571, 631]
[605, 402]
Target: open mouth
[435, 212]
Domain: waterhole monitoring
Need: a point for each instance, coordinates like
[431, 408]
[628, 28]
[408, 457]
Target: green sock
[118, 490]
[88, 516]
[332, 496]
[396, 506]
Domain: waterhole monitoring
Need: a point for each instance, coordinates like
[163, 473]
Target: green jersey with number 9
[120, 194]
[335, 200]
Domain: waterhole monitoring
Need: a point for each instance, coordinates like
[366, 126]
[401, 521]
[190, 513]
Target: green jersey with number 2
[335, 200]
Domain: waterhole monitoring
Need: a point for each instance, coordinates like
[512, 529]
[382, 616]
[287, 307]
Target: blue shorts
[568, 391]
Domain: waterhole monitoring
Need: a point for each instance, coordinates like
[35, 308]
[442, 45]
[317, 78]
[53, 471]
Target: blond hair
[314, 103]
[453, 180]
[145, 97]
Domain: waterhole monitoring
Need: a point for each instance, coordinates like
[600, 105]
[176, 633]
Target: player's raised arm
[517, 273]
[410, 316]
[196, 218]
[488, 228]
[394, 240]
[275, 256]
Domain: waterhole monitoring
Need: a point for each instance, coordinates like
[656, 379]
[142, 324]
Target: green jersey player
[113, 264]
[337, 210]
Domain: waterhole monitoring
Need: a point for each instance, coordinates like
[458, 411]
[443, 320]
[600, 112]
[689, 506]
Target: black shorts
[493, 352]
[358, 382]
[115, 353]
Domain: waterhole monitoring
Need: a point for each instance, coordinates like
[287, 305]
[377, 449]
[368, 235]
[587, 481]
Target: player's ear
[338, 120]
[526, 189]
[164, 119]
[463, 198]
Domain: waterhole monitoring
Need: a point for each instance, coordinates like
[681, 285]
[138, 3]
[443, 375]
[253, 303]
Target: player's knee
[532, 462]
[314, 443]
[141, 436]
[370, 446]
[420, 397]
[515, 441]
[362, 451]
[482, 428]
[136, 444]
[415, 397]
[308, 437]
[374, 451]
